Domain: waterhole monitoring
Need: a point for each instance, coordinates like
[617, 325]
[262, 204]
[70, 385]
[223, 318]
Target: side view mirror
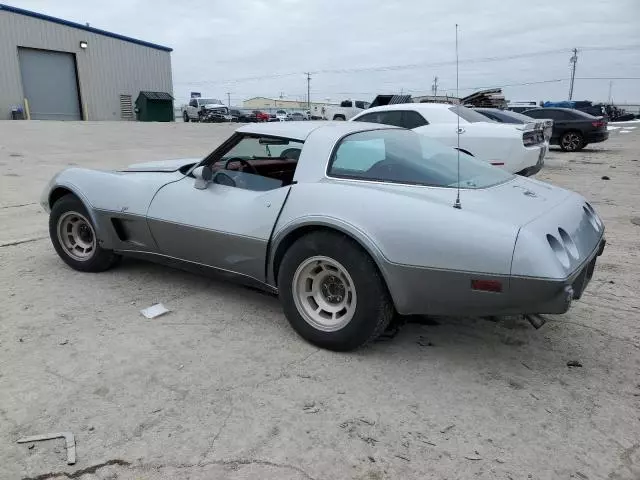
[203, 175]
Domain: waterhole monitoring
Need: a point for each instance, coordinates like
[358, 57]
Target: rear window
[467, 114]
[403, 156]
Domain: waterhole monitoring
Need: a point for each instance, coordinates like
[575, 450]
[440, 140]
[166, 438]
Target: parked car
[507, 116]
[282, 115]
[348, 222]
[297, 116]
[243, 116]
[196, 107]
[572, 129]
[347, 110]
[511, 147]
[261, 116]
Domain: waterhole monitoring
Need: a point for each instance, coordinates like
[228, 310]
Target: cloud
[216, 42]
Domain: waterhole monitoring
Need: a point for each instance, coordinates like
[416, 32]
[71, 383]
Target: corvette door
[220, 226]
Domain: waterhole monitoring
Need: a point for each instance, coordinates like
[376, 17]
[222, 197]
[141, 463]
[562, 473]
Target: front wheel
[185, 116]
[339, 118]
[74, 237]
[332, 292]
[572, 142]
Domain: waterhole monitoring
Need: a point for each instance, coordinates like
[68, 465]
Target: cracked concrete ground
[222, 388]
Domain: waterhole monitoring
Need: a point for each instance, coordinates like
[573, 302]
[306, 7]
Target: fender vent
[120, 230]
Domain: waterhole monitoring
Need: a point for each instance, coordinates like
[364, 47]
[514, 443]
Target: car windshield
[468, 115]
[251, 148]
[402, 156]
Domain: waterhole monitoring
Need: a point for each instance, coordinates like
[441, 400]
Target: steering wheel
[242, 162]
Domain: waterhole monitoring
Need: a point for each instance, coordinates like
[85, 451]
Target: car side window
[368, 117]
[533, 113]
[360, 104]
[193, 103]
[355, 157]
[411, 120]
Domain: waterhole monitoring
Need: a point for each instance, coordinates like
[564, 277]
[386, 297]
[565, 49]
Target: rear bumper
[537, 153]
[595, 137]
[424, 291]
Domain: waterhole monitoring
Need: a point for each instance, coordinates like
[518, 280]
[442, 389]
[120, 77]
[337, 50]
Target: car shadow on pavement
[498, 338]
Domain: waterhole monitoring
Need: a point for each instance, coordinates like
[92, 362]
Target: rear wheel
[572, 141]
[74, 237]
[339, 117]
[332, 292]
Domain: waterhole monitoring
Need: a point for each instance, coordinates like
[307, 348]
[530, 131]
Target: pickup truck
[196, 108]
[347, 110]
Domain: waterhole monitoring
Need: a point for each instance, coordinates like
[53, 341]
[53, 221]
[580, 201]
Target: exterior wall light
[83, 44]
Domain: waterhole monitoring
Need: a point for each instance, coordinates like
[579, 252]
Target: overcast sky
[219, 43]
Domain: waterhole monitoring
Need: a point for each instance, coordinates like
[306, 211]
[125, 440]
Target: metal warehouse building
[69, 71]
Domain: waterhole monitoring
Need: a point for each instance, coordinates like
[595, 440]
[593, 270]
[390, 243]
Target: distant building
[435, 99]
[270, 103]
[69, 71]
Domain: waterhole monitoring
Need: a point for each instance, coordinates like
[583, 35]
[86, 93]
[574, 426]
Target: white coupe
[515, 148]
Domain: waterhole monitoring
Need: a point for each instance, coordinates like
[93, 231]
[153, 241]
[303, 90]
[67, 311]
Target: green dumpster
[154, 107]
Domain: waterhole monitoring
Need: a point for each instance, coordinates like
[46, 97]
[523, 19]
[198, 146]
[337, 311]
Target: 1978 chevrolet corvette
[347, 222]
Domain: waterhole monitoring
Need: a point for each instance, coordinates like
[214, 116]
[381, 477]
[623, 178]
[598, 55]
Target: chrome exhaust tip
[536, 320]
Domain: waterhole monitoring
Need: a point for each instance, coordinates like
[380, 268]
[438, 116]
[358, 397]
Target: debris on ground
[367, 421]
[64, 342]
[366, 439]
[154, 311]
[70, 443]
[403, 458]
[423, 342]
[310, 407]
[446, 429]
[573, 363]
[604, 177]
[473, 457]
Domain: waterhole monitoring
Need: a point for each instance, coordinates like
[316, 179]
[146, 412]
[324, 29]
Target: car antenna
[457, 204]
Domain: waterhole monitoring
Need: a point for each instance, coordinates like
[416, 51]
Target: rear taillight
[598, 124]
[529, 139]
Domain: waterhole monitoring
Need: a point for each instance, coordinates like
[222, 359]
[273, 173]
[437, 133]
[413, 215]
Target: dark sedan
[243, 116]
[572, 129]
[508, 116]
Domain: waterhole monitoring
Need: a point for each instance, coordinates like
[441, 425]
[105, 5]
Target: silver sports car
[348, 222]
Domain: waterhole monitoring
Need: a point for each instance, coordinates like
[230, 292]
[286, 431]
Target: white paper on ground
[154, 310]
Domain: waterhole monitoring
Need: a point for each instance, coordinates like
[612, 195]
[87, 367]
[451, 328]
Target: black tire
[572, 141]
[339, 118]
[99, 259]
[185, 116]
[373, 308]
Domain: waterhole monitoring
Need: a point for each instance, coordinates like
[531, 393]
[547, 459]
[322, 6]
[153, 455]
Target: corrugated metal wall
[107, 69]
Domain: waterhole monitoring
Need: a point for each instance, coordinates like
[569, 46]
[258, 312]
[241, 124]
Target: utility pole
[308, 91]
[573, 60]
[229, 99]
[610, 89]
[434, 87]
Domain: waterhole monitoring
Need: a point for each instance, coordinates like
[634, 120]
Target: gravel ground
[222, 388]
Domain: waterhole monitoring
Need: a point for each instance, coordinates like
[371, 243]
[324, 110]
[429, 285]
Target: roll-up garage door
[50, 84]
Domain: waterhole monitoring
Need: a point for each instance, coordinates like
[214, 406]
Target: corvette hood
[161, 165]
